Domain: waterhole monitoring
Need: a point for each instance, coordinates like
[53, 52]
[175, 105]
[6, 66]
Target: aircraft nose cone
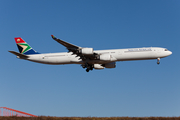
[170, 52]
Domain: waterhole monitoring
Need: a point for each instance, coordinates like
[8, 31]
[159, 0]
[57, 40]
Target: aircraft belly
[98, 62]
[59, 60]
[50, 59]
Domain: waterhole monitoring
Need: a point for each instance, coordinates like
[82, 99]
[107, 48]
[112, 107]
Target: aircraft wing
[69, 46]
[83, 53]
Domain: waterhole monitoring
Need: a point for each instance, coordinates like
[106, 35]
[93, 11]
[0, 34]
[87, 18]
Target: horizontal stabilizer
[19, 54]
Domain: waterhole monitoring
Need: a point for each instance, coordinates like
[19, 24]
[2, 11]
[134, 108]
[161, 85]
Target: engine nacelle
[87, 51]
[105, 57]
[98, 66]
[110, 65]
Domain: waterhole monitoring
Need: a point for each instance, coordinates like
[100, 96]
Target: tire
[87, 70]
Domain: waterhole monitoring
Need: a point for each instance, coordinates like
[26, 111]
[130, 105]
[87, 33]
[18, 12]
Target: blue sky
[134, 88]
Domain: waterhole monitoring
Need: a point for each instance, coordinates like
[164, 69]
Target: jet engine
[110, 65]
[86, 51]
[98, 66]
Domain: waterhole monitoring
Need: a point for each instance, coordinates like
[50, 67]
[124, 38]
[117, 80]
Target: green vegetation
[87, 118]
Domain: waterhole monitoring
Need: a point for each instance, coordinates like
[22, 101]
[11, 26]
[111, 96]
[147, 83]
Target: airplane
[88, 58]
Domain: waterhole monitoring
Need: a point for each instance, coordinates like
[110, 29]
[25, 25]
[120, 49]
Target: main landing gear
[158, 61]
[87, 66]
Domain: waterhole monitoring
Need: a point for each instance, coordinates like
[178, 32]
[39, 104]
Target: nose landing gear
[158, 61]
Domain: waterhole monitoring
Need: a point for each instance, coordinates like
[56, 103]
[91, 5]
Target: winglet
[53, 37]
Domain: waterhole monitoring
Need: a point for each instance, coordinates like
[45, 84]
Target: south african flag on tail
[23, 47]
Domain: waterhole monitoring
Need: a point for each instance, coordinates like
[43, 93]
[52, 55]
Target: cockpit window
[166, 50]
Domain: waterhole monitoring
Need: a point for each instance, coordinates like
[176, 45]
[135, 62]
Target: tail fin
[23, 47]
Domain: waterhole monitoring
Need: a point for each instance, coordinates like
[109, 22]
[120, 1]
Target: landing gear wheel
[91, 68]
[87, 66]
[83, 66]
[87, 70]
[158, 59]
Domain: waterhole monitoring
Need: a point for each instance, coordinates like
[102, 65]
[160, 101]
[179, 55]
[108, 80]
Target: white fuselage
[116, 55]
